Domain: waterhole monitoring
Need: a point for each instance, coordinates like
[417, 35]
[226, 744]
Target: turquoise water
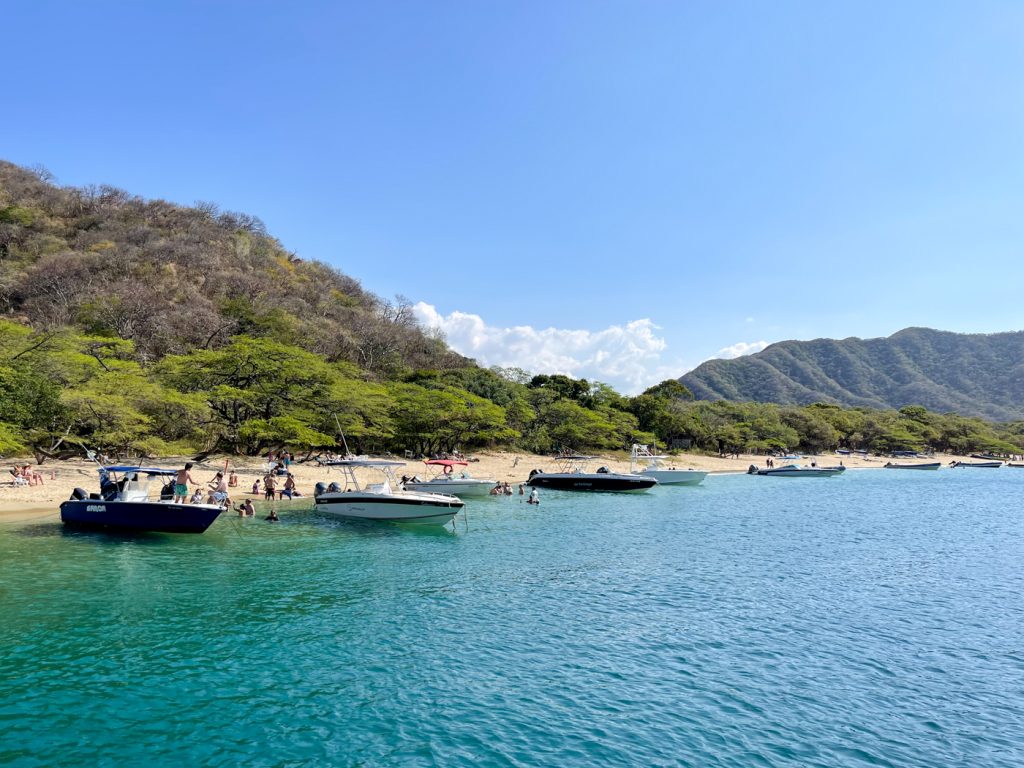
[871, 619]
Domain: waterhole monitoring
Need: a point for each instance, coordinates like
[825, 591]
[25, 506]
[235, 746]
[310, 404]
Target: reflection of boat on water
[979, 464]
[571, 475]
[655, 467]
[378, 501]
[796, 470]
[123, 504]
[447, 479]
[926, 465]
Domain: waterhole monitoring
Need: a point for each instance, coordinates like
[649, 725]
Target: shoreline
[31, 503]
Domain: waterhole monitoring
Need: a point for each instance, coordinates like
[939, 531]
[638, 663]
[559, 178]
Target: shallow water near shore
[875, 618]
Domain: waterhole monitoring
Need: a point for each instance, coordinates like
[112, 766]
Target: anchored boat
[123, 504]
[645, 462]
[571, 475]
[926, 465]
[447, 479]
[796, 470]
[379, 501]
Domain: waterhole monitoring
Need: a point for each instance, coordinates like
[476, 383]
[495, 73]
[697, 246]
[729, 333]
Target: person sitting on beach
[181, 481]
[256, 485]
[232, 480]
[272, 517]
[34, 475]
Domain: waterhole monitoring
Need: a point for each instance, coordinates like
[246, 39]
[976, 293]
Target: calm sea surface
[871, 619]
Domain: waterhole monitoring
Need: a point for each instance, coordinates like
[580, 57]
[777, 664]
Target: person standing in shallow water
[181, 481]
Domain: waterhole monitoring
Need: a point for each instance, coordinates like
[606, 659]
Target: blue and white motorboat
[124, 504]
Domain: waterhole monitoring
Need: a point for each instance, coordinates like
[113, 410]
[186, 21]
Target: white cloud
[741, 348]
[628, 357]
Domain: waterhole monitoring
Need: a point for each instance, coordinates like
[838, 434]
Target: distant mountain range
[972, 374]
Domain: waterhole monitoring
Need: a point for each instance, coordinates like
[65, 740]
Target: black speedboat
[571, 475]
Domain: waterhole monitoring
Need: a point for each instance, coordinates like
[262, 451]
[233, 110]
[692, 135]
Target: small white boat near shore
[643, 461]
[448, 479]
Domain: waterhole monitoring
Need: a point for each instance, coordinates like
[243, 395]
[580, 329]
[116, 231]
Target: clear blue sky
[733, 172]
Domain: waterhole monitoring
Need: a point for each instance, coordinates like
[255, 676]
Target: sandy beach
[60, 478]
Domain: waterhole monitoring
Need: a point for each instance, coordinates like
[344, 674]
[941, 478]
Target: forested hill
[139, 328]
[974, 374]
[172, 279]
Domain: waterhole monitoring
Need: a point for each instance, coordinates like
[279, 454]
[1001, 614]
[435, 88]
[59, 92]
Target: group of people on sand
[26, 475]
[271, 489]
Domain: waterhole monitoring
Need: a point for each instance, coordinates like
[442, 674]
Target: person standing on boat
[181, 481]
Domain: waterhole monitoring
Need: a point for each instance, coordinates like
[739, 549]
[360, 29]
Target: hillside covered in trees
[142, 328]
[975, 374]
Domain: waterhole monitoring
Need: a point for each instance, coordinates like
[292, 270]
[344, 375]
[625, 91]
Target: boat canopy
[143, 470]
[446, 463]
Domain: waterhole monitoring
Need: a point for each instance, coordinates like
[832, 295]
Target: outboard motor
[534, 472]
[334, 488]
[167, 492]
[319, 489]
[79, 494]
[604, 470]
[752, 470]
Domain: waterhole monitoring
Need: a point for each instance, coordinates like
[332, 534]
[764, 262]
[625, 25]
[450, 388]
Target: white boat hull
[676, 476]
[456, 487]
[418, 508]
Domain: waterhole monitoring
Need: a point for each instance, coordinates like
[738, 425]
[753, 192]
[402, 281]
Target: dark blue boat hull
[590, 481]
[138, 516]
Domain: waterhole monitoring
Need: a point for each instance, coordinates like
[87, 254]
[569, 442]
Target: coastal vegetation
[974, 374]
[144, 328]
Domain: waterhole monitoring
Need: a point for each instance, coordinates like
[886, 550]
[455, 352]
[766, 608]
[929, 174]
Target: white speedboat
[379, 501]
[448, 479]
[796, 470]
[643, 461]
